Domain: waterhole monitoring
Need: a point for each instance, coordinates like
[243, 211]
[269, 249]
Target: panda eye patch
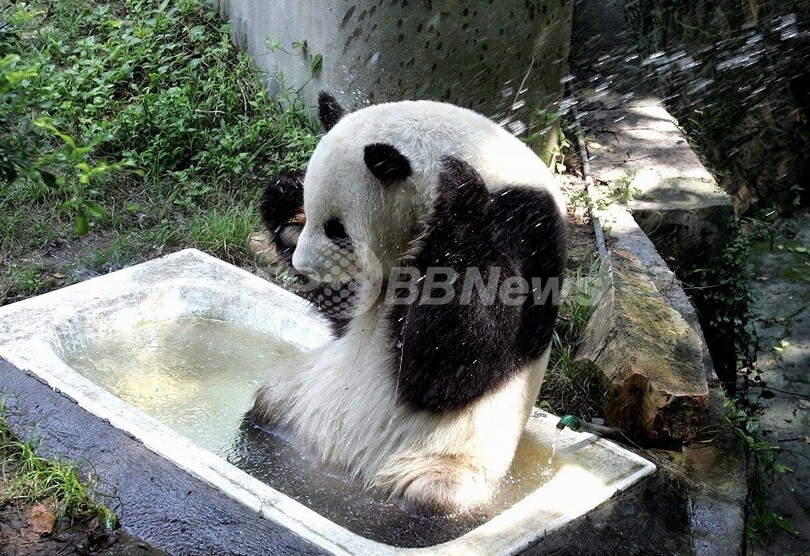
[335, 231]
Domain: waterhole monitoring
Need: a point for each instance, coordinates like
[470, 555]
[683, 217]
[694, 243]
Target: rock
[647, 356]
[41, 519]
[264, 252]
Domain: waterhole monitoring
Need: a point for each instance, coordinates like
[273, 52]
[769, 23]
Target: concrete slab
[779, 274]
[675, 200]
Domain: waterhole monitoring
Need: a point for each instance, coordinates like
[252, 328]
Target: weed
[620, 190]
[222, 232]
[21, 282]
[761, 465]
[38, 479]
[95, 92]
[583, 199]
[722, 297]
[299, 48]
[558, 152]
[549, 134]
[113, 256]
[568, 388]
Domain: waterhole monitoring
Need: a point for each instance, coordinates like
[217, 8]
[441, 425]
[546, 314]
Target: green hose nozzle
[578, 425]
[569, 421]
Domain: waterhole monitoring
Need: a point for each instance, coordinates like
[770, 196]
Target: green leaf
[197, 32]
[79, 152]
[66, 205]
[784, 525]
[107, 518]
[317, 63]
[95, 210]
[781, 468]
[81, 224]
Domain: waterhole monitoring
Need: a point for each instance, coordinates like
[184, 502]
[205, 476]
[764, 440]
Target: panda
[420, 396]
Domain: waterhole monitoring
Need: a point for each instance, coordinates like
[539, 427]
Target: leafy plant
[14, 152]
[722, 296]
[299, 48]
[94, 92]
[555, 151]
[558, 152]
[583, 199]
[568, 388]
[761, 463]
[77, 167]
[620, 190]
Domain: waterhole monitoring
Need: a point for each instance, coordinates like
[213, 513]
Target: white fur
[340, 402]
[340, 405]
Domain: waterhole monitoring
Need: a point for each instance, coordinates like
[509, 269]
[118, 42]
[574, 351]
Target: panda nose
[300, 263]
[302, 259]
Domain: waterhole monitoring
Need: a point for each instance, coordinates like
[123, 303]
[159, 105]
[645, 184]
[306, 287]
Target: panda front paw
[283, 200]
[282, 210]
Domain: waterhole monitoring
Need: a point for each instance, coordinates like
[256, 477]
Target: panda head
[363, 197]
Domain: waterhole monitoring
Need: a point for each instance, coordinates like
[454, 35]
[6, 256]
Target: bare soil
[19, 536]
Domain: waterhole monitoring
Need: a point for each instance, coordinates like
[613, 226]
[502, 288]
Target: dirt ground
[19, 537]
[31, 530]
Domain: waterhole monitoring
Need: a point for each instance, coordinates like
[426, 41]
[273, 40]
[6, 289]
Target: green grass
[132, 128]
[32, 478]
[569, 388]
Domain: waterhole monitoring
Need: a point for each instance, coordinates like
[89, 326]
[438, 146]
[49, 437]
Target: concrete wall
[504, 59]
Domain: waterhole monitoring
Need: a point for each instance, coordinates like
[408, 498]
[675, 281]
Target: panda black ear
[329, 110]
[386, 162]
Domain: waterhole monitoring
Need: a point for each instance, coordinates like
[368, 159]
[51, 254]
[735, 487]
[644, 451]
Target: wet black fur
[282, 204]
[386, 162]
[329, 110]
[446, 356]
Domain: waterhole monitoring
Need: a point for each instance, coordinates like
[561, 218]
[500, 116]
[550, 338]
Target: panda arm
[529, 223]
[282, 211]
[450, 354]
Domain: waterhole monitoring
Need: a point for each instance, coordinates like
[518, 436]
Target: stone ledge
[647, 356]
[675, 200]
